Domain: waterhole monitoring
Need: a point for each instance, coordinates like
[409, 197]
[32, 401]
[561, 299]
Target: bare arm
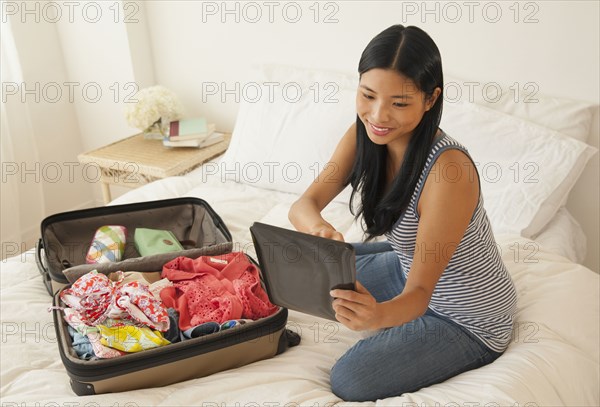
[305, 213]
[445, 207]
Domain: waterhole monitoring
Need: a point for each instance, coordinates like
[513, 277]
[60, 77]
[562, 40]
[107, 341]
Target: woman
[437, 289]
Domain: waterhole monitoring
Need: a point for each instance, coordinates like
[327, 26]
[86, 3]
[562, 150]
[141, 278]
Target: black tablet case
[300, 269]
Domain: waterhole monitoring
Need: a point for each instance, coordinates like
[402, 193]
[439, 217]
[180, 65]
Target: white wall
[197, 43]
[113, 52]
[40, 135]
[73, 66]
[187, 45]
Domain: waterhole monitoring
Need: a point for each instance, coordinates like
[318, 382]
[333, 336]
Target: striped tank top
[475, 290]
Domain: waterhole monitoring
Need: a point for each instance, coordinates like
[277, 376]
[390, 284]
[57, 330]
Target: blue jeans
[402, 359]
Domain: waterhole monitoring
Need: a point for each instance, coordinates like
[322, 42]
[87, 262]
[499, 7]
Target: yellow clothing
[131, 338]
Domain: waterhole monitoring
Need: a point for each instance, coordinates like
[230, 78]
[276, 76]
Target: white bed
[552, 360]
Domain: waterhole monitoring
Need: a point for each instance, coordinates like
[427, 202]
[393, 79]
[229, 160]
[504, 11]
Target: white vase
[157, 130]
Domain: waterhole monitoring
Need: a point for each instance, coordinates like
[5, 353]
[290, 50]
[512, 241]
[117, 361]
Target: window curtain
[22, 196]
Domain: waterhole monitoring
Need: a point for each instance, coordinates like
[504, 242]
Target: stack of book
[191, 133]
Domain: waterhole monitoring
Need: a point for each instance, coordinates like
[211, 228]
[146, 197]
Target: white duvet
[553, 358]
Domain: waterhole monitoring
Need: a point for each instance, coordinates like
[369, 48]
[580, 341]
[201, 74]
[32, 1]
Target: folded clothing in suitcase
[191, 358]
[65, 241]
[66, 237]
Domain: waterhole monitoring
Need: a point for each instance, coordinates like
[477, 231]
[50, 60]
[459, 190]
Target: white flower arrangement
[156, 106]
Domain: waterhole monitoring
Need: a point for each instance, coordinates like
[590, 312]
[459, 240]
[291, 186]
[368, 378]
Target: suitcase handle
[41, 268]
[38, 256]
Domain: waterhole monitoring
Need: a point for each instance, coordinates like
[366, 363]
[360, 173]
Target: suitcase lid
[66, 236]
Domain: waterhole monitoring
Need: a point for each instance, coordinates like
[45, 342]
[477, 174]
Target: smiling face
[390, 106]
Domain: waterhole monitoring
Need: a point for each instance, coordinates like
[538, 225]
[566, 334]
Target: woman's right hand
[327, 231]
[305, 213]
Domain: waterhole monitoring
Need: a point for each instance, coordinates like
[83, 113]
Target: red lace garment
[214, 288]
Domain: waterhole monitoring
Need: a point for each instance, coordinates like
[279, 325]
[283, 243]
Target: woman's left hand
[358, 310]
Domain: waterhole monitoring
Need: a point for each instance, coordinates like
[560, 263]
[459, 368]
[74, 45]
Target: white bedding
[564, 235]
[553, 359]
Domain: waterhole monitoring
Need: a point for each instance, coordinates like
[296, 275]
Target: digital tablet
[300, 269]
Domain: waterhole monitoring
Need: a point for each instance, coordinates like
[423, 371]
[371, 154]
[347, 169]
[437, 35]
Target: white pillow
[570, 117]
[282, 140]
[282, 144]
[526, 170]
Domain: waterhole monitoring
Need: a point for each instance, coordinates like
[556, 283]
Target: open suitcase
[61, 255]
[66, 237]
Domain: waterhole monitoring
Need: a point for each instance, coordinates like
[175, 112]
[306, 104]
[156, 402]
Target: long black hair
[412, 53]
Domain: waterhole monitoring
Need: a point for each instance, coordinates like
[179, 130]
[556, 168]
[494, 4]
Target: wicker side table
[135, 161]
